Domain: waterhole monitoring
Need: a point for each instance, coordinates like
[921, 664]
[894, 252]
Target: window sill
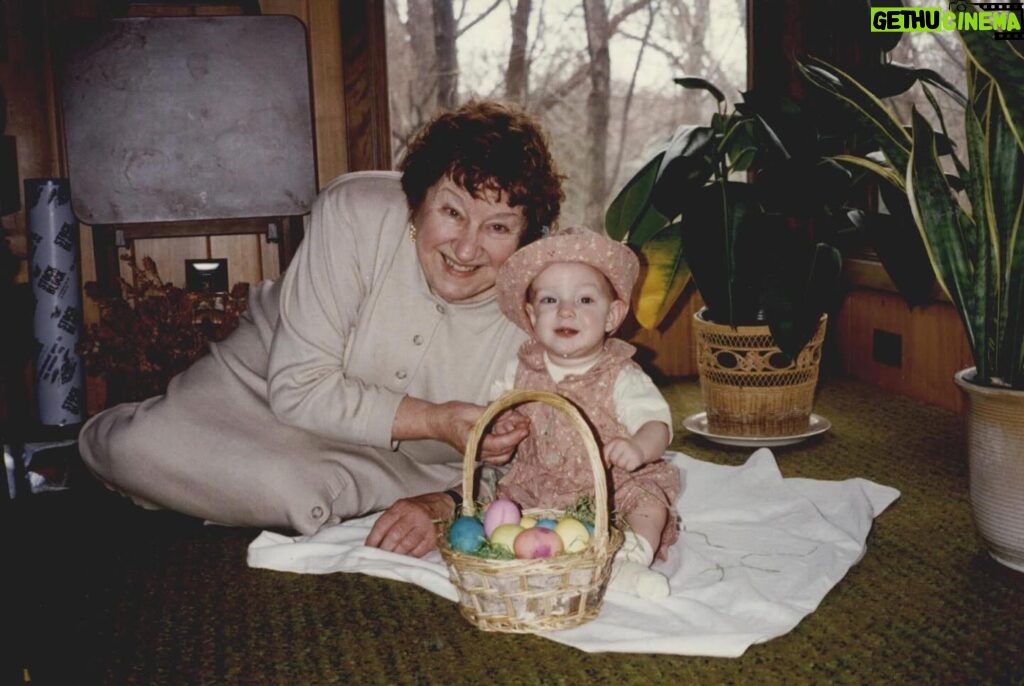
[866, 273]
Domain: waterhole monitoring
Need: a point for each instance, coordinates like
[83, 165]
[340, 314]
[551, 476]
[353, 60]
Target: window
[941, 52]
[536, 53]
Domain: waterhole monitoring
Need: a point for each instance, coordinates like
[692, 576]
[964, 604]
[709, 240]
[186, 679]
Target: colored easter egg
[547, 523]
[500, 511]
[528, 522]
[466, 534]
[505, 535]
[573, 533]
[536, 543]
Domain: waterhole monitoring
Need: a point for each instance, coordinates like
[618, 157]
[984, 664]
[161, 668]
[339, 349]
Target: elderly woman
[352, 382]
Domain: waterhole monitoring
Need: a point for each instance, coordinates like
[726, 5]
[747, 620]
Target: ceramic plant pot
[995, 454]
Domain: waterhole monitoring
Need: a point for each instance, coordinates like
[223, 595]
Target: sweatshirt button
[417, 339]
[440, 308]
[401, 374]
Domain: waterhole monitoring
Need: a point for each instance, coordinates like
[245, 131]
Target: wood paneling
[934, 346]
[245, 263]
[365, 68]
[328, 95]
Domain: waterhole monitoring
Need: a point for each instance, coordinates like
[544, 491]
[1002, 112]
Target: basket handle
[518, 397]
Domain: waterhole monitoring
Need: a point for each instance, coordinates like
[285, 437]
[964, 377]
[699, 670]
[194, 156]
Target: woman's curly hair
[482, 146]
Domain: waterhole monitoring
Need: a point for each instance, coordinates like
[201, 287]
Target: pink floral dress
[551, 468]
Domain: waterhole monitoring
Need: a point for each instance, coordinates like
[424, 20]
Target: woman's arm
[451, 422]
[321, 295]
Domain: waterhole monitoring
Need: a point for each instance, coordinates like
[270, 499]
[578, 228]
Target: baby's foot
[637, 579]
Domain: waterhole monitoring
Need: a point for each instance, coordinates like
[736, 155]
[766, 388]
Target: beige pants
[212, 448]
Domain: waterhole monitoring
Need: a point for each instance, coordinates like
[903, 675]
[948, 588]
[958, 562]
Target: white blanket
[756, 555]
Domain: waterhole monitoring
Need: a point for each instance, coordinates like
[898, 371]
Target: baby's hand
[624, 454]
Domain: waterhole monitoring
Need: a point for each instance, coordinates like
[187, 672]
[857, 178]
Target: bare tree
[595, 16]
[652, 13]
[446, 53]
[517, 74]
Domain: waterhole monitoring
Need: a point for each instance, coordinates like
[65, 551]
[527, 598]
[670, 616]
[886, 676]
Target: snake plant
[971, 221]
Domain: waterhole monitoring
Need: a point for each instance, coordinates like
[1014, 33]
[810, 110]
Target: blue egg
[547, 523]
[590, 528]
[466, 534]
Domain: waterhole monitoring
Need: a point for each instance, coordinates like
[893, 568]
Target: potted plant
[972, 223]
[766, 283]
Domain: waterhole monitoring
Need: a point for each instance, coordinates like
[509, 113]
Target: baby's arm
[642, 410]
[645, 446]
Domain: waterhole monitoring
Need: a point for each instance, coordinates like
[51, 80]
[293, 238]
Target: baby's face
[572, 307]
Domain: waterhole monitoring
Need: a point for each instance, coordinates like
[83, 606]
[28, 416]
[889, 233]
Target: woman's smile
[457, 267]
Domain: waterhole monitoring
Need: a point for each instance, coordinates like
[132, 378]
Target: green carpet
[97, 591]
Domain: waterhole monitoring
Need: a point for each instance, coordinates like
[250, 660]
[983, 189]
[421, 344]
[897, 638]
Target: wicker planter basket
[748, 386]
[525, 596]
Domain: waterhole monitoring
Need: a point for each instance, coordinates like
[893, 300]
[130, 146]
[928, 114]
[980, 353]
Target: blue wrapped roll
[56, 288]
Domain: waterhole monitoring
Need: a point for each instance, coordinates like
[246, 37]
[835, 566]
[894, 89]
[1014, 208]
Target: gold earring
[412, 232]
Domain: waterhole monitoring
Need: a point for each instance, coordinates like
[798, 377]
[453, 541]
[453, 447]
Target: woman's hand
[409, 526]
[505, 433]
[451, 422]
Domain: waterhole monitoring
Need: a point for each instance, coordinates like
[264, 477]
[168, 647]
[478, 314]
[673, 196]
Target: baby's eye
[546, 300]
[587, 300]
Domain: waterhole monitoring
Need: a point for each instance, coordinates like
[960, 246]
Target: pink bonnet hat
[573, 244]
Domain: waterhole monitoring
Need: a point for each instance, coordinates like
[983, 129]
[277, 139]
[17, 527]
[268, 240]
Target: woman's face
[461, 241]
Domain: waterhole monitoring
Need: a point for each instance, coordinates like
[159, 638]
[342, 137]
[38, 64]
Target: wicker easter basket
[525, 596]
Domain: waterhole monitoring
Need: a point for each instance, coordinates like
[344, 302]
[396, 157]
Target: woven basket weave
[749, 387]
[525, 596]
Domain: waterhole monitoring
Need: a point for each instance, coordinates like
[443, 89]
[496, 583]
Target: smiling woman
[351, 384]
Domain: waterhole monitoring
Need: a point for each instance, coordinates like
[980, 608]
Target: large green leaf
[937, 218]
[891, 78]
[697, 83]
[887, 131]
[719, 220]
[665, 276]
[981, 240]
[800, 287]
[685, 167]
[631, 215]
[895, 238]
[1005, 176]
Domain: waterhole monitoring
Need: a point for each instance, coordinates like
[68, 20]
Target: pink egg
[500, 511]
[537, 542]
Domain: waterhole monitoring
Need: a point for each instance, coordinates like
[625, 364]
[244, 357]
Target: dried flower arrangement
[153, 330]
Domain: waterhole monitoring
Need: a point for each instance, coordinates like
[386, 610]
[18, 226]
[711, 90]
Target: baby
[570, 291]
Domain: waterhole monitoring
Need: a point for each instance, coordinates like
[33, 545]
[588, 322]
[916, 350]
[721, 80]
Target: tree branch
[582, 72]
[480, 17]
